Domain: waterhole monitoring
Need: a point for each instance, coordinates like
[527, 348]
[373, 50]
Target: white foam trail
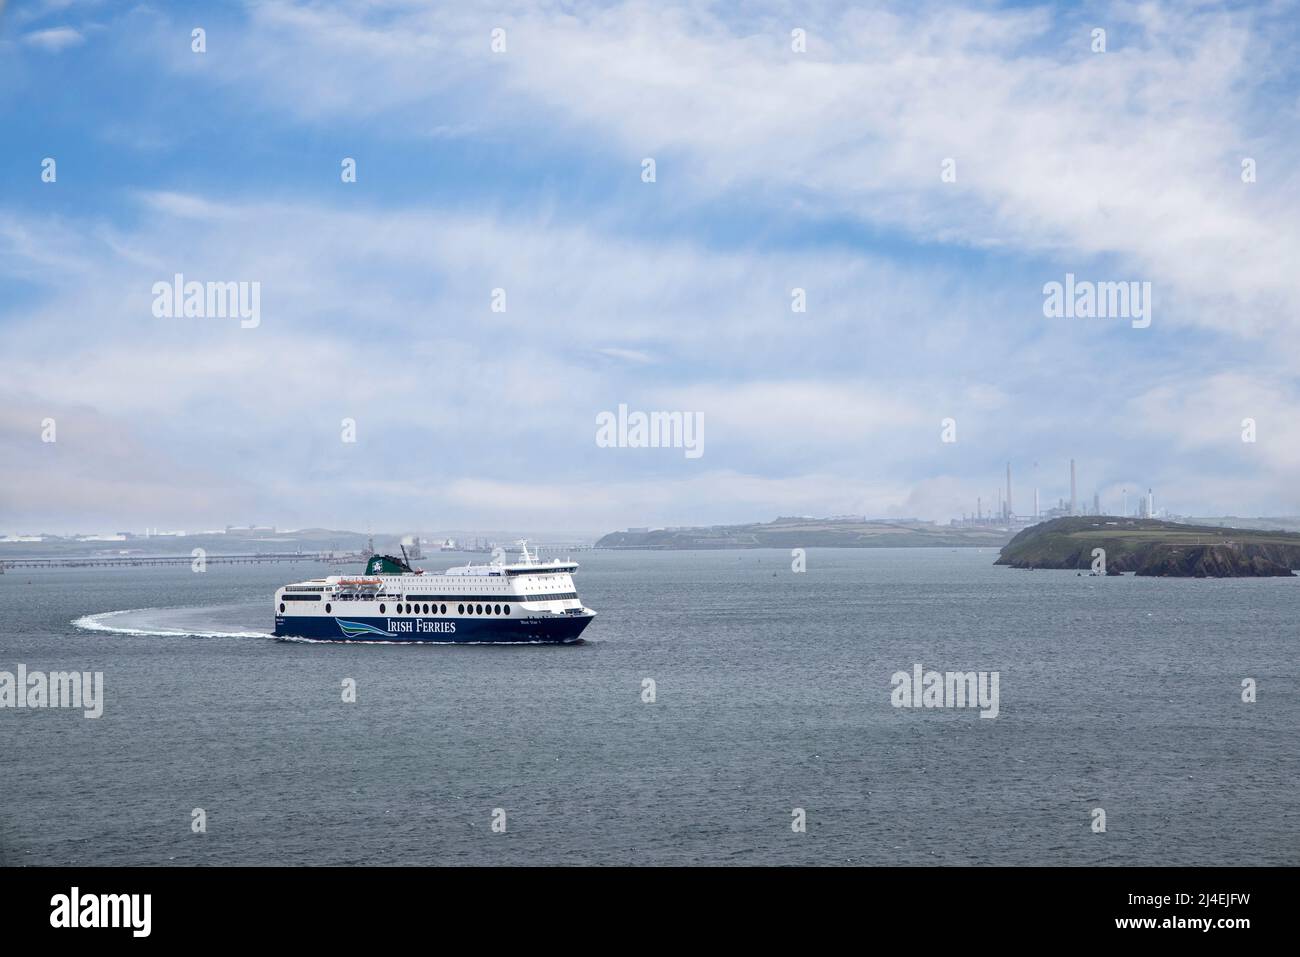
[96, 623]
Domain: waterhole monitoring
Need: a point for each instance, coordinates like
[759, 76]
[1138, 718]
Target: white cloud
[628, 355]
[1131, 156]
[383, 316]
[1116, 166]
[54, 39]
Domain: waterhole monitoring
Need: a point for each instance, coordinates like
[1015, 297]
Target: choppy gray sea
[773, 692]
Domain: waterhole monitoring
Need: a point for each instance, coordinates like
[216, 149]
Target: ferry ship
[525, 602]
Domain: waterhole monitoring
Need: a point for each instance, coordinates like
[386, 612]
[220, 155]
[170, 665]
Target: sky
[920, 171]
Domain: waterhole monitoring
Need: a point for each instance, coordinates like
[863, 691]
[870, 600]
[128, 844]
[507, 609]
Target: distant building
[1147, 505]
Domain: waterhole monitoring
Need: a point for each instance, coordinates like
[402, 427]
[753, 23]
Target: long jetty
[112, 561]
[257, 558]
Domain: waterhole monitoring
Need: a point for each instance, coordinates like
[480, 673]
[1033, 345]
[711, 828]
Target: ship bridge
[526, 565]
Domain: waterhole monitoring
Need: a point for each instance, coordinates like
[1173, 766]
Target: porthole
[444, 609]
[507, 609]
[462, 609]
[282, 608]
[382, 609]
[408, 607]
[498, 609]
[327, 608]
[478, 609]
[426, 609]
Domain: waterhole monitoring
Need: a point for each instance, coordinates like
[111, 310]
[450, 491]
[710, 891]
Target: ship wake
[169, 623]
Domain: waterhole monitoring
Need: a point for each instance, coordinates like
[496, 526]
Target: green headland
[1154, 547]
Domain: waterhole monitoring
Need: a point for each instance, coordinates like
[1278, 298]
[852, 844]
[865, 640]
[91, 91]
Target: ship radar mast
[524, 557]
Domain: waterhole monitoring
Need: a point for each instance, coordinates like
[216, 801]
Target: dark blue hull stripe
[546, 629]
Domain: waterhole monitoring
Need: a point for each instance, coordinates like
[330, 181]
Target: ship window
[507, 609]
[478, 609]
[327, 608]
[408, 608]
[282, 608]
[444, 609]
[382, 609]
[498, 609]
[426, 609]
[462, 609]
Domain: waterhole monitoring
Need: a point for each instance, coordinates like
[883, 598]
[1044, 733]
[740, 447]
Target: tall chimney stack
[1073, 498]
[1009, 490]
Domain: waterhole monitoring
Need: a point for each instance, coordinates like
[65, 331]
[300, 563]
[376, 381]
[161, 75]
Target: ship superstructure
[527, 601]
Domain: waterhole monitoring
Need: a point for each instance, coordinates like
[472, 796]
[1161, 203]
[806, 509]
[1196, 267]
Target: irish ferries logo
[356, 629]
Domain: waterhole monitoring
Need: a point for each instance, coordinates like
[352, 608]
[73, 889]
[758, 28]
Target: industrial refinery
[998, 510]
